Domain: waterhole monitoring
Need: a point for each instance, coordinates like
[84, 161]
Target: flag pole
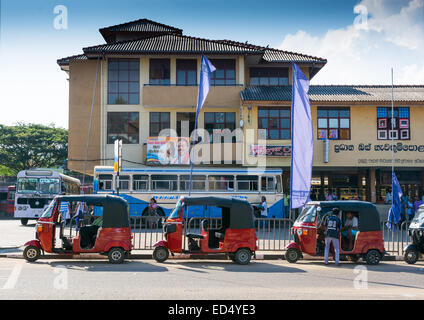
[393, 151]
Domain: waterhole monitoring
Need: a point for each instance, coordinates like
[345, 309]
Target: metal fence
[273, 234]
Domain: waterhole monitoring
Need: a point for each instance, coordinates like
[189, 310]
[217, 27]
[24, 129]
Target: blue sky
[33, 89]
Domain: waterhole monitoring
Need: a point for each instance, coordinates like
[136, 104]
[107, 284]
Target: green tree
[32, 146]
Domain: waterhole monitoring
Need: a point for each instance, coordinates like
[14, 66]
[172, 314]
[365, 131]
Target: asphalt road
[201, 279]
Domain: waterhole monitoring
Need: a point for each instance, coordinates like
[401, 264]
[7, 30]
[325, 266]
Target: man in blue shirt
[333, 226]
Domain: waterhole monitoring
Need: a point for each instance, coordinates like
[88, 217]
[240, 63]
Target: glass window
[225, 74]
[269, 76]
[27, 185]
[159, 121]
[159, 73]
[124, 182]
[221, 182]
[140, 182]
[247, 183]
[220, 120]
[50, 186]
[123, 125]
[186, 72]
[164, 182]
[396, 124]
[333, 123]
[277, 121]
[198, 182]
[123, 81]
[105, 182]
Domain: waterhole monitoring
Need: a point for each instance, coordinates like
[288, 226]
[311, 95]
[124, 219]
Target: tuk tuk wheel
[292, 255]
[411, 256]
[116, 255]
[32, 253]
[242, 256]
[373, 257]
[160, 254]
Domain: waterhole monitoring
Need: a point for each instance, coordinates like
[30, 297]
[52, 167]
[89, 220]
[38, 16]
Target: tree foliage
[32, 146]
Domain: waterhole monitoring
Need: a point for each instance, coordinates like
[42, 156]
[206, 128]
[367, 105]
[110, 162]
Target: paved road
[194, 279]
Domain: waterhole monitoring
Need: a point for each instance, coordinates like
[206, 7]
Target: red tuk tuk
[309, 231]
[111, 235]
[236, 237]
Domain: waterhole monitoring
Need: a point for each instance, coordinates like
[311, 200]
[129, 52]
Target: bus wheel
[292, 255]
[24, 222]
[160, 254]
[31, 253]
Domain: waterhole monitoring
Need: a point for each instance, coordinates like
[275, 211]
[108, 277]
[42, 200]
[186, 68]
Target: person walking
[286, 209]
[388, 197]
[332, 234]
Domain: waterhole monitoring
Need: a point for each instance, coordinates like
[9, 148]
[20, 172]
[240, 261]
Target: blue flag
[205, 70]
[302, 140]
[395, 210]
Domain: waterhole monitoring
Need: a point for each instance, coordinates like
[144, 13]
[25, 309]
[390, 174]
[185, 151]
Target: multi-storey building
[144, 79]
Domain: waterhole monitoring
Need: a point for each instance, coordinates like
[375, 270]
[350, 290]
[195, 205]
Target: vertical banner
[395, 211]
[302, 140]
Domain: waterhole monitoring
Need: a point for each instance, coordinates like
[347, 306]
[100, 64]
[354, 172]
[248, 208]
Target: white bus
[168, 184]
[36, 188]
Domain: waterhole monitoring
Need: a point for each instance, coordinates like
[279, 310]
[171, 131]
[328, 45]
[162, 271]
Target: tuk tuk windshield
[418, 221]
[49, 210]
[308, 214]
[174, 214]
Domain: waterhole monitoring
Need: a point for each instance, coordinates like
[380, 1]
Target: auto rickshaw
[112, 237]
[309, 231]
[414, 250]
[236, 237]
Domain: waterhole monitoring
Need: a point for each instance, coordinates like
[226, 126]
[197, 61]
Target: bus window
[27, 185]
[221, 183]
[164, 182]
[199, 182]
[124, 182]
[140, 182]
[247, 183]
[48, 185]
[279, 185]
[105, 182]
[268, 184]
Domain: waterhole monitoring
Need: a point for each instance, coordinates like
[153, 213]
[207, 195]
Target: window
[123, 81]
[333, 123]
[164, 183]
[400, 119]
[276, 121]
[269, 76]
[140, 182]
[268, 184]
[159, 72]
[105, 182]
[225, 73]
[217, 183]
[198, 182]
[185, 117]
[186, 72]
[123, 125]
[124, 182]
[220, 121]
[158, 122]
[247, 183]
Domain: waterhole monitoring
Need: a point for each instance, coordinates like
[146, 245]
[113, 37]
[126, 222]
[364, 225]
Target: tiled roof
[276, 55]
[337, 93]
[169, 43]
[65, 61]
[142, 25]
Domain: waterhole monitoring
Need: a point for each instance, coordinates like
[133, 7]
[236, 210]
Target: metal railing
[396, 237]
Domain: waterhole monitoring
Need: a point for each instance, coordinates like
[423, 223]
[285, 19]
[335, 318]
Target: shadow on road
[105, 266]
[261, 267]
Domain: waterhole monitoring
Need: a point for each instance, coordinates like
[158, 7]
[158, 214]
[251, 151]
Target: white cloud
[393, 37]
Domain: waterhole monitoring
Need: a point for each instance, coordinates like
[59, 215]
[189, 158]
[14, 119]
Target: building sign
[168, 150]
[269, 151]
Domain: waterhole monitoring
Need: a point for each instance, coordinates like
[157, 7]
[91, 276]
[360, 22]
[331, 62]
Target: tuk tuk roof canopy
[368, 215]
[239, 212]
[115, 209]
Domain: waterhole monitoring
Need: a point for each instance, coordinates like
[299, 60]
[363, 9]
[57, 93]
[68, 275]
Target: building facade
[144, 79]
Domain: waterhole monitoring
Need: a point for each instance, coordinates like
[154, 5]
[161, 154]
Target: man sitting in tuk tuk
[89, 233]
[350, 229]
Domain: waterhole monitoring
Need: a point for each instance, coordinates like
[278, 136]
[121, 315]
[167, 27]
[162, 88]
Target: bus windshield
[41, 185]
[27, 185]
[308, 214]
[174, 214]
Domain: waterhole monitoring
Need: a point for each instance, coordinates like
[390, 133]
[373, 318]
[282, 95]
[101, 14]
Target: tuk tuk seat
[194, 236]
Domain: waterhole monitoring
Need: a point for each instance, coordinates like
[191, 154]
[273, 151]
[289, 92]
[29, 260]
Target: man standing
[332, 234]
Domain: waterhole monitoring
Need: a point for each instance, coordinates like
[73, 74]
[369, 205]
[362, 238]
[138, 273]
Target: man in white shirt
[264, 208]
[350, 228]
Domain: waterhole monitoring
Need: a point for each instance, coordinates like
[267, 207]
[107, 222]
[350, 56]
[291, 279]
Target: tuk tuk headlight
[299, 231]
